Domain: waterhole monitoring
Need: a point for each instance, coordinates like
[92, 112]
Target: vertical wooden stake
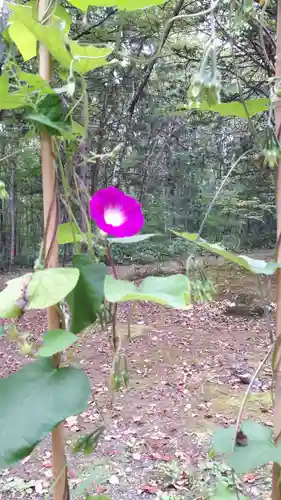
[12, 214]
[276, 477]
[59, 466]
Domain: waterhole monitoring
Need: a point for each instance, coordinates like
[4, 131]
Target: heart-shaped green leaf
[171, 291]
[44, 289]
[259, 451]
[45, 397]
[85, 300]
[225, 492]
[69, 232]
[56, 341]
[53, 37]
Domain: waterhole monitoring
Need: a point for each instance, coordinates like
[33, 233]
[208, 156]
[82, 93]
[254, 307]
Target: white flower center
[114, 216]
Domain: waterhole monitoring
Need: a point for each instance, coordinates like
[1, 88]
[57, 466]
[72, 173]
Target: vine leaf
[50, 117]
[170, 291]
[10, 100]
[132, 239]
[224, 492]
[23, 38]
[254, 265]
[85, 300]
[120, 4]
[234, 108]
[69, 232]
[34, 82]
[53, 395]
[45, 288]
[56, 341]
[54, 38]
[259, 451]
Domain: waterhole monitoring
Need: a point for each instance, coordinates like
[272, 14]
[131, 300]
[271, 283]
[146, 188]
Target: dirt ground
[188, 372]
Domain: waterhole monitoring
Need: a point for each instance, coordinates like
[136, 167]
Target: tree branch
[151, 64]
[93, 26]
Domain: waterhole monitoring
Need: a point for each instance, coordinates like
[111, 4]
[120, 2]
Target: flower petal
[128, 217]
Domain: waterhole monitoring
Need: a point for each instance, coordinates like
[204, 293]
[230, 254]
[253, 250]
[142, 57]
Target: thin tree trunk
[50, 203]
[276, 471]
[12, 213]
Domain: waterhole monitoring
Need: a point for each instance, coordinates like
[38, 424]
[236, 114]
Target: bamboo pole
[59, 465]
[276, 471]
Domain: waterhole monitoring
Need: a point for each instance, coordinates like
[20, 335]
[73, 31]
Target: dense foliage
[172, 160]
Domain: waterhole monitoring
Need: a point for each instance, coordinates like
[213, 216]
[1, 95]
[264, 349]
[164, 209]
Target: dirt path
[185, 380]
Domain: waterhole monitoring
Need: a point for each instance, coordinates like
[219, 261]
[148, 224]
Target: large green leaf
[234, 108]
[259, 451]
[69, 232]
[121, 4]
[132, 239]
[225, 492]
[33, 401]
[53, 36]
[85, 300]
[23, 38]
[171, 291]
[45, 288]
[254, 265]
[26, 41]
[56, 341]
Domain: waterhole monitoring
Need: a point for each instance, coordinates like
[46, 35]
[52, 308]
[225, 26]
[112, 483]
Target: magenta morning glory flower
[115, 213]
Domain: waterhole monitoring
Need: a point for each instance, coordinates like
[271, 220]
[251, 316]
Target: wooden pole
[276, 483]
[59, 465]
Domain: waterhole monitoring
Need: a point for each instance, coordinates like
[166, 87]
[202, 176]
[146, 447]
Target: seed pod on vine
[205, 86]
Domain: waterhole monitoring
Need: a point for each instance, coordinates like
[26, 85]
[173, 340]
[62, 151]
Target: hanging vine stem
[67, 195]
[252, 128]
[261, 21]
[205, 12]
[219, 190]
[241, 409]
[211, 205]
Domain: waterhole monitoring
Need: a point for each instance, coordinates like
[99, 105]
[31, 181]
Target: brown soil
[184, 369]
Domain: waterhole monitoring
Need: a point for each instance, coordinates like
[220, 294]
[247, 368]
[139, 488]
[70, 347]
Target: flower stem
[110, 260]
